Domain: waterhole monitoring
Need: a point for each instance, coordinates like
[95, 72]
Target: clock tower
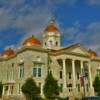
[51, 36]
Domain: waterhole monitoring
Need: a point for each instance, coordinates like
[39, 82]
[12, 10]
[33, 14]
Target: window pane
[78, 76]
[69, 75]
[21, 72]
[60, 74]
[39, 72]
[34, 72]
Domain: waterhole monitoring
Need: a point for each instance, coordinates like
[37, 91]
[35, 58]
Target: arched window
[50, 42]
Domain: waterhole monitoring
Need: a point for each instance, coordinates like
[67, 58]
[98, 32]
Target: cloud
[21, 13]
[94, 2]
[28, 17]
[90, 37]
[31, 16]
[70, 33]
[6, 19]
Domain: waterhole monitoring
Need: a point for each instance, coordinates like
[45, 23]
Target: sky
[78, 21]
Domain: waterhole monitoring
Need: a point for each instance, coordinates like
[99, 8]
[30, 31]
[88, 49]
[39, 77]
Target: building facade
[34, 59]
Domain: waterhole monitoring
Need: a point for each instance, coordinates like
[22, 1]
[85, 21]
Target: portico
[72, 69]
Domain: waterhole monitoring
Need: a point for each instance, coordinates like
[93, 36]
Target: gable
[78, 50]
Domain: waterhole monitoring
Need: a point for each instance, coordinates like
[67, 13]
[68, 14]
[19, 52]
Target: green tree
[51, 88]
[1, 87]
[30, 89]
[96, 85]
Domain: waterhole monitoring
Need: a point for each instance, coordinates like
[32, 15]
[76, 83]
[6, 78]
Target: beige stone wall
[95, 65]
[29, 56]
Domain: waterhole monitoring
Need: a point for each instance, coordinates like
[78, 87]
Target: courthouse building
[34, 59]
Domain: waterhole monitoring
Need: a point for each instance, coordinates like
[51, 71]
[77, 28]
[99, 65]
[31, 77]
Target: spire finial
[32, 35]
[52, 20]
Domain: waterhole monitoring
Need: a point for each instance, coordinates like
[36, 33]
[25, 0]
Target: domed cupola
[92, 53]
[51, 36]
[32, 41]
[51, 27]
[8, 52]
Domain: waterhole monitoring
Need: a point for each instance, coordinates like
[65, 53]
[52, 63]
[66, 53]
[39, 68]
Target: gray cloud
[30, 18]
[6, 19]
[90, 37]
[93, 2]
[71, 32]
[12, 11]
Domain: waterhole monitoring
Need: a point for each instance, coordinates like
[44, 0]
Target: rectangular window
[34, 72]
[60, 74]
[69, 75]
[21, 69]
[39, 72]
[21, 72]
[78, 76]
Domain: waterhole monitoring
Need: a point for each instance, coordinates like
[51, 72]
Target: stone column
[64, 73]
[82, 88]
[12, 73]
[81, 63]
[41, 89]
[8, 90]
[64, 78]
[90, 79]
[73, 74]
[3, 92]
